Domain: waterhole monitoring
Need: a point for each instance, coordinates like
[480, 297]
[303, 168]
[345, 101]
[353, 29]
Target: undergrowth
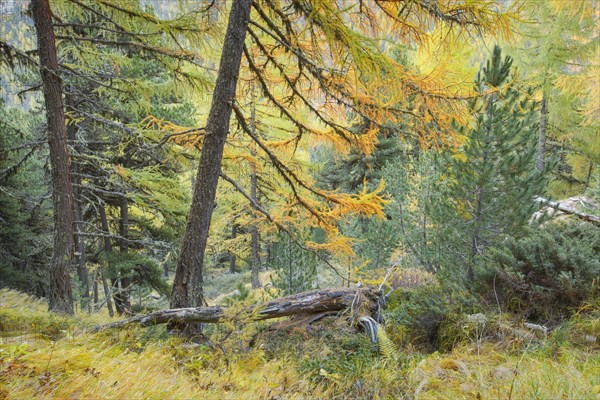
[487, 356]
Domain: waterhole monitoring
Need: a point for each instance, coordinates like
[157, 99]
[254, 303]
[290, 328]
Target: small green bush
[415, 316]
[547, 274]
[349, 359]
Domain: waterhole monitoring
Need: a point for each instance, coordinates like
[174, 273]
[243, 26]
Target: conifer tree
[558, 52]
[60, 298]
[285, 55]
[493, 179]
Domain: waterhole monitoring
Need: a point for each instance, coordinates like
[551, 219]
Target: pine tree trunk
[541, 163]
[588, 178]
[254, 239]
[481, 192]
[107, 293]
[232, 257]
[95, 290]
[60, 298]
[187, 287]
[122, 301]
[78, 238]
[82, 271]
[108, 249]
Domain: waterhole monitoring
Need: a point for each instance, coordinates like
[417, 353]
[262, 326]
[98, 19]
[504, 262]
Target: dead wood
[569, 210]
[360, 301]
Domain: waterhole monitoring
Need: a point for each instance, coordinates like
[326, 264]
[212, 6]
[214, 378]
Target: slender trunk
[78, 238]
[254, 239]
[269, 257]
[481, 191]
[107, 293]
[187, 286]
[475, 236]
[232, 257]
[107, 249]
[588, 178]
[60, 297]
[541, 163]
[95, 286]
[104, 224]
[290, 266]
[82, 271]
[122, 301]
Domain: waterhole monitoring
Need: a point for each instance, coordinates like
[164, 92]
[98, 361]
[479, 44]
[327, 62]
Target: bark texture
[60, 298]
[541, 160]
[363, 301]
[254, 238]
[232, 257]
[78, 211]
[121, 295]
[107, 248]
[187, 286]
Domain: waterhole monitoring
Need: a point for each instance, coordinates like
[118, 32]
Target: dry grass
[48, 357]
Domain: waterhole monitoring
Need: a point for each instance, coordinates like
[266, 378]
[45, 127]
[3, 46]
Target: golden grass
[40, 359]
[495, 374]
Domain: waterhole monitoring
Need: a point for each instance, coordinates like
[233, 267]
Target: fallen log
[360, 301]
[568, 210]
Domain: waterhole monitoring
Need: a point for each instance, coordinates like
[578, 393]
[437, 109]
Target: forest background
[412, 146]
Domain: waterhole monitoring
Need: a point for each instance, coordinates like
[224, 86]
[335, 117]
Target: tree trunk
[60, 298]
[254, 239]
[480, 190]
[232, 257]
[187, 287]
[325, 300]
[95, 289]
[108, 249]
[588, 178]
[78, 238]
[541, 163]
[122, 301]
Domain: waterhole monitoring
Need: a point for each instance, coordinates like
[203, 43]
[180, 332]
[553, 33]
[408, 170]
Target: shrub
[415, 315]
[548, 273]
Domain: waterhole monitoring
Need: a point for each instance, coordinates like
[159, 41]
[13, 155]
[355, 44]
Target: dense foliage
[228, 153]
[548, 273]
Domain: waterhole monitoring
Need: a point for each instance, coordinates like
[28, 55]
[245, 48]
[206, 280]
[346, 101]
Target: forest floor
[45, 356]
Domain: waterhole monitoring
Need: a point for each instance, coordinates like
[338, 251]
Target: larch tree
[557, 53]
[187, 287]
[319, 65]
[108, 57]
[60, 298]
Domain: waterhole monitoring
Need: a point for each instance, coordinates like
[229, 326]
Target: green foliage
[492, 180]
[349, 172]
[415, 315]
[296, 268]
[375, 238]
[548, 273]
[413, 183]
[25, 215]
[140, 269]
[557, 52]
[349, 359]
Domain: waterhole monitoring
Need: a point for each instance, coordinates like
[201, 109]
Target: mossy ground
[43, 356]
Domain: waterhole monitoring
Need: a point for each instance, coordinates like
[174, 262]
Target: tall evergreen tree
[493, 179]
